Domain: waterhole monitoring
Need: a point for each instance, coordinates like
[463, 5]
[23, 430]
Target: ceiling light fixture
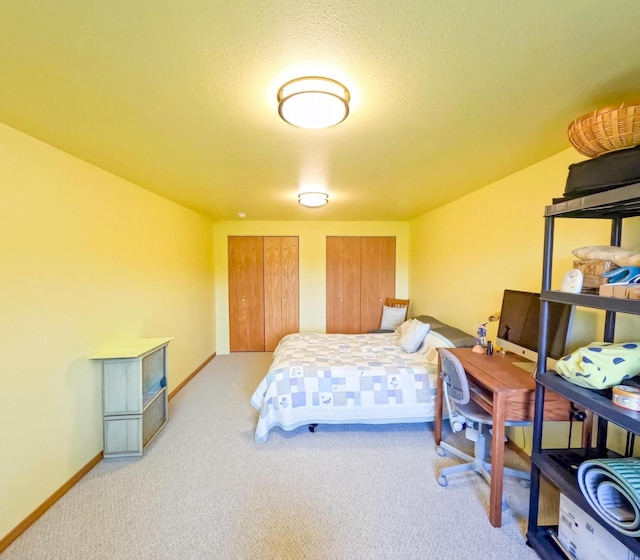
[313, 199]
[313, 102]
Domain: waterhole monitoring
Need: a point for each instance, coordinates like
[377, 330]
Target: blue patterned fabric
[338, 379]
[601, 364]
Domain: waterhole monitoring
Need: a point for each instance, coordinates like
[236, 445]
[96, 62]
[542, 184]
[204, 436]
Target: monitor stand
[529, 367]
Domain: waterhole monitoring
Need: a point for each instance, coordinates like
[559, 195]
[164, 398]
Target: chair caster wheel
[313, 428]
[441, 451]
[442, 481]
[524, 483]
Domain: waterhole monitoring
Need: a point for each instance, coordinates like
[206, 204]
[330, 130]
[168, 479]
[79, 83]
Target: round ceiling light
[313, 102]
[313, 199]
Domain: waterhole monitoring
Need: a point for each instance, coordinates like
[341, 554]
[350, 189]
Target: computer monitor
[518, 329]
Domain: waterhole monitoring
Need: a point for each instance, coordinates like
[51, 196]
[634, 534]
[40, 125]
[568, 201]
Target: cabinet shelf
[555, 464]
[622, 202]
[542, 541]
[594, 301]
[591, 400]
[150, 396]
[566, 480]
[134, 395]
[552, 462]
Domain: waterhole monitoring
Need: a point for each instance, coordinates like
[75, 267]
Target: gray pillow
[460, 339]
[431, 320]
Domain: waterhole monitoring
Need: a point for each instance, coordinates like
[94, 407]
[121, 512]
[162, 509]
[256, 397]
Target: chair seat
[475, 413]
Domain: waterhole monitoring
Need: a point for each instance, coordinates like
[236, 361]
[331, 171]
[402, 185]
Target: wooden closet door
[377, 280]
[280, 289]
[246, 294]
[343, 285]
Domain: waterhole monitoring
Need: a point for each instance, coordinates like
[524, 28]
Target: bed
[351, 379]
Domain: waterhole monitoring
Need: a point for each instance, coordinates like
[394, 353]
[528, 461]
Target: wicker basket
[592, 272]
[606, 130]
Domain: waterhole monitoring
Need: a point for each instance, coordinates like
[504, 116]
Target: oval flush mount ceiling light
[313, 102]
[313, 199]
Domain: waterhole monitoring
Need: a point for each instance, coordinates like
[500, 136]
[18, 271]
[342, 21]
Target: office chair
[466, 413]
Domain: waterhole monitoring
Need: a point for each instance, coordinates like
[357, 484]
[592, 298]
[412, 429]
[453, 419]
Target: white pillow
[437, 340]
[432, 342]
[620, 256]
[403, 328]
[392, 317]
[413, 337]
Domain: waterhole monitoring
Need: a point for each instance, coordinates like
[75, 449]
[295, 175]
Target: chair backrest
[454, 377]
[392, 302]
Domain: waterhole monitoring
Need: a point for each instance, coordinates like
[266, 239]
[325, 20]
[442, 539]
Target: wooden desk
[509, 396]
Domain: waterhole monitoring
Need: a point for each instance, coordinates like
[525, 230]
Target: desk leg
[497, 458]
[438, 409]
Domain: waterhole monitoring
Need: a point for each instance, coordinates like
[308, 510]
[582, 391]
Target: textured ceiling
[179, 96]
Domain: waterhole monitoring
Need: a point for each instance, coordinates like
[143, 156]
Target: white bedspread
[343, 378]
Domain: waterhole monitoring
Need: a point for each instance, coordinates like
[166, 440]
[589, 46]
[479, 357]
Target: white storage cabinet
[134, 395]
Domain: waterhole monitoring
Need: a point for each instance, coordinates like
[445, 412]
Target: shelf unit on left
[134, 395]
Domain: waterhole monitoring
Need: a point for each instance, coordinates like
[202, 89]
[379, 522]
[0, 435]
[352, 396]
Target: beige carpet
[205, 490]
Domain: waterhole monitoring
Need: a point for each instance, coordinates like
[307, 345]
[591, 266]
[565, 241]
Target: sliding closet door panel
[370, 305]
[246, 294]
[343, 285]
[290, 265]
[272, 291]
[378, 278]
[334, 284]
[280, 289]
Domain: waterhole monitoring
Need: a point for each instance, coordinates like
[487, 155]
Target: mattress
[343, 378]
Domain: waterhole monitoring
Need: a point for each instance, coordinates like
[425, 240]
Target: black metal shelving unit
[555, 464]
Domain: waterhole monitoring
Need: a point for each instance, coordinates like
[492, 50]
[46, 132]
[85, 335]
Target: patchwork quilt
[343, 378]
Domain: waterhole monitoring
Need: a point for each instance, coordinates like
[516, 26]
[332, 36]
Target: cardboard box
[592, 272]
[624, 291]
[585, 538]
[620, 290]
[606, 290]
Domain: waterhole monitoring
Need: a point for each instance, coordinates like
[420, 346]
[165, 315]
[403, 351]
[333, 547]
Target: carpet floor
[205, 490]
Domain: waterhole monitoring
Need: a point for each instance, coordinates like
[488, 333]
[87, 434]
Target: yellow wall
[87, 259]
[312, 264]
[463, 255]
